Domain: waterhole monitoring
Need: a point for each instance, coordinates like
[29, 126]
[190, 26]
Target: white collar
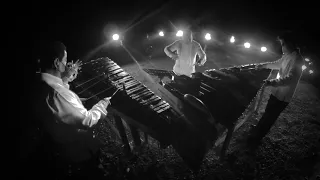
[51, 79]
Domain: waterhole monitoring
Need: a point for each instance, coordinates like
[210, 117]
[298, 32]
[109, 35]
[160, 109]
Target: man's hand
[107, 100]
[77, 65]
[270, 82]
[72, 69]
[175, 57]
[198, 63]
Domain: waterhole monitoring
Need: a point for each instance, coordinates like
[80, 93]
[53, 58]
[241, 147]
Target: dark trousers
[134, 132]
[272, 112]
[187, 85]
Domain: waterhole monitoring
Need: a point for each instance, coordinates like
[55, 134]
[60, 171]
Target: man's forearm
[273, 65]
[97, 112]
[168, 52]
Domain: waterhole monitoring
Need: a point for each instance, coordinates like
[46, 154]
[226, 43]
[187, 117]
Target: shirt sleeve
[294, 74]
[78, 114]
[274, 65]
[171, 48]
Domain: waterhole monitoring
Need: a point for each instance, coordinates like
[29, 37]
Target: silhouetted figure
[185, 58]
[283, 87]
[66, 141]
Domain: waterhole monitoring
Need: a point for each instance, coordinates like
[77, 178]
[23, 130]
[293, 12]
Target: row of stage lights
[207, 36]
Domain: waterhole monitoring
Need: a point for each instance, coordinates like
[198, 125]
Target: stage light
[115, 37]
[161, 33]
[232, 40]
[247, 45]
[304, 67]
[310, 71]
[263, 49]
[307, 59]
[207, 36]
[179, 33]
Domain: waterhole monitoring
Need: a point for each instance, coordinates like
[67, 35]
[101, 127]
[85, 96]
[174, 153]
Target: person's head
[187, 36]
[288, 42]
[53, 57]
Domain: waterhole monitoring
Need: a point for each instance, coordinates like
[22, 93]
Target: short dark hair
[188, 32]
[289, 38]
[49, 52]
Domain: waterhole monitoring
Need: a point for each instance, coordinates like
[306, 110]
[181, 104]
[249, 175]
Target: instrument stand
[226, 142]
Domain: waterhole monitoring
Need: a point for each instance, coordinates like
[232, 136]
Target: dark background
[80, 25]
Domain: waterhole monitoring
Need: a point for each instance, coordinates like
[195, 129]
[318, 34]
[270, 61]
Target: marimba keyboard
[150, 113]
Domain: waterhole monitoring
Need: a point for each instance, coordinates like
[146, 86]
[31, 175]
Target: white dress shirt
[86, 117]
[187, 52]
[288, 77]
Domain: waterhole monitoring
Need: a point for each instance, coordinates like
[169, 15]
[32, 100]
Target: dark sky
[80, 24]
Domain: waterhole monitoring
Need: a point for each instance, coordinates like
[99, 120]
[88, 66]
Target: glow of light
[247, 45]
[263, 49]
[304, 67]
[306, 59]
[115, 37]
[310, 63]
[278, 76]
[310, 71]
[232, 40]
[207, 36]
[179, 33]
[161, 33]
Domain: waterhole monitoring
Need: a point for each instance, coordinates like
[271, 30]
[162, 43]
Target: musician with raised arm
[283, 87]
[60, 114]
[184, 52]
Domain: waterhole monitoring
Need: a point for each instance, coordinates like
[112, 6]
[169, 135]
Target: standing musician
[283, 87]
[61, 116]
[187, 50]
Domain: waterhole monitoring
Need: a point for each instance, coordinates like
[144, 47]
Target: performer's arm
[169, 50]
[78, 114]
[293, 76]
[272, 65]
[202, 55]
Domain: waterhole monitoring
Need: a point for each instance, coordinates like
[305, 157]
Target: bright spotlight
[304, 67]
[310, 71]
[263, 49]
[161, 33]
[232, 40]
[207, 36]
[115, 37]
[306, 59]
[179, 33]
[247, 45]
